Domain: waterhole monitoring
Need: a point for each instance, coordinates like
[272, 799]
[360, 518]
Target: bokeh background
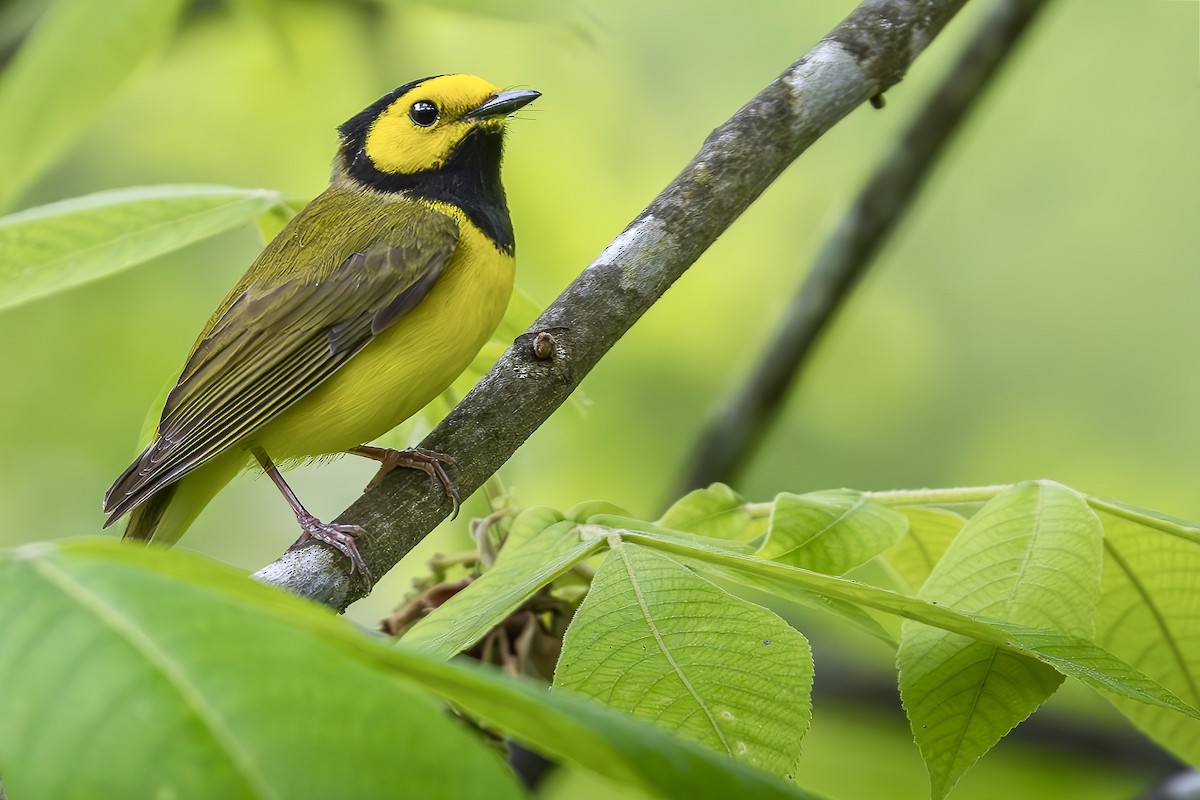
[1035, 316]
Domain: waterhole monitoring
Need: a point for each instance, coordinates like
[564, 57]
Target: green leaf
[1030, 556]
[522, 568]
[717, 512]
[159, 674]
[930, 531]
[77, 55]
[1091, 665]
[530, 523]
[56, 246]
[273, 662]
[1071, 655]
[1149, 614]
[829, 532]
[580, 512]
[654, 639]
[962, 696]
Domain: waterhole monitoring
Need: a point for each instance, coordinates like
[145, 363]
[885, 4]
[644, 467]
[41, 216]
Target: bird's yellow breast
[406, 365]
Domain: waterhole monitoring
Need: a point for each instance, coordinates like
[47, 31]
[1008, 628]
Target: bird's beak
[502, 104]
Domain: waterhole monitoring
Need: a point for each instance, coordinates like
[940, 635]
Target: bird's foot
[339, 537]
[430, 462]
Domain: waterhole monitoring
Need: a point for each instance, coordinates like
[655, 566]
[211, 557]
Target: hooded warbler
[366, 306]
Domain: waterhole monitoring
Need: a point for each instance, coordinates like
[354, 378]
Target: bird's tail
[144, 520]
[163, 516]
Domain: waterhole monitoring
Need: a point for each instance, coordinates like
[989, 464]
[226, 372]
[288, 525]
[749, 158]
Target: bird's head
[420, 127]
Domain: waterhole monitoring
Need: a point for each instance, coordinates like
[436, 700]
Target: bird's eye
[423, 113]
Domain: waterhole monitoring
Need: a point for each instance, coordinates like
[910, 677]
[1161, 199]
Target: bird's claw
[340, 538]
[430, 462]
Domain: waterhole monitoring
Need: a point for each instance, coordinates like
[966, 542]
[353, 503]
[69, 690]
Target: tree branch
[736, 430]
[862, 57]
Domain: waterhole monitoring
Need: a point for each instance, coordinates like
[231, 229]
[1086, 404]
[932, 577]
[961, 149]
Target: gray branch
[736, 430]
[861, 58]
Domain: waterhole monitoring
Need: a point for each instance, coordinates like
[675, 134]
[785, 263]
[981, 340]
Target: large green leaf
[56, 246]
[77, 55]
[1149, 614]
[829, 531]
[1030, 556]
[269, 664]
[654, 639]
[1073, 656]
[523, 567]
[157, 674]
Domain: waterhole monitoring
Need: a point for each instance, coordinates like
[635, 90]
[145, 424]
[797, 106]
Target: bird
[364, 307]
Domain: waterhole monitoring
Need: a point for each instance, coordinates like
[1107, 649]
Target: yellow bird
[365, 307]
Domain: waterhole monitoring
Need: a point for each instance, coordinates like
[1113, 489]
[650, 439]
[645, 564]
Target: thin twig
[736, 430]
[864, 56]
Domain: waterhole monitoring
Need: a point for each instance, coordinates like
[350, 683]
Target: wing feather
[274, 344]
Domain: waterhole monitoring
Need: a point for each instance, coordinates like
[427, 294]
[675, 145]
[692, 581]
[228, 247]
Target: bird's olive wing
[275, 344]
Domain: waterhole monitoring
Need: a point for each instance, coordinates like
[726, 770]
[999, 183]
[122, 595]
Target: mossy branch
[864, 56]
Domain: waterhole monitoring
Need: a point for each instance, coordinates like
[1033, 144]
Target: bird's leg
[431, 463]
[339, 537]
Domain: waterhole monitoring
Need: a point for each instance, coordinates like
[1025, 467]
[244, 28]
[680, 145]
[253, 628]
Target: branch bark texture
[736, 430]
[865, 55]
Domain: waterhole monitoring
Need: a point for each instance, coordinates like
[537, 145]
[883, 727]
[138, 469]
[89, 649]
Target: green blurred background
[1035, 317]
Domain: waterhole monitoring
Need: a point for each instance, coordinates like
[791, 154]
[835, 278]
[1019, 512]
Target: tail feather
[145, 519]
[162, 517]
[134, 486]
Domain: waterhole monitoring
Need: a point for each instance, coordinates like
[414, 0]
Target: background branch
[862, 57]
[736, 430]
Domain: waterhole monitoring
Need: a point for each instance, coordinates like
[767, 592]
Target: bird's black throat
[469, 179]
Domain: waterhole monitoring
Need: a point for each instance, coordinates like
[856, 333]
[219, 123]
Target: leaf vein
[138, 639]
[619, 547]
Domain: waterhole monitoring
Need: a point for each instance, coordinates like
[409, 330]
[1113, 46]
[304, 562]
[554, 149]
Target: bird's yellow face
[438, 139]
[419, 129]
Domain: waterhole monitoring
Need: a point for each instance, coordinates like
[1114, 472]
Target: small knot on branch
[544, 345]
[546, 352]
